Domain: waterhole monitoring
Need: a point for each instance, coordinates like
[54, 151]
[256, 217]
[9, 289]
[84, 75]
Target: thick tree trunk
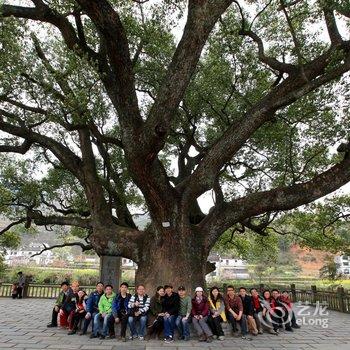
[110, 270]
[177, 258]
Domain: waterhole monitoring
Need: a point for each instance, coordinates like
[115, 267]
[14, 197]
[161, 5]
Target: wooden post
[314, 293]
[340, 296]
[293, 291]
[110, 270]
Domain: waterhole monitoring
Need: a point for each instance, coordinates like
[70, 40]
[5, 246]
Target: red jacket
[201, 308]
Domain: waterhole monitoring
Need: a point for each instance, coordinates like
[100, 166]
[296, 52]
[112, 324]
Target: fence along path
[338, 300]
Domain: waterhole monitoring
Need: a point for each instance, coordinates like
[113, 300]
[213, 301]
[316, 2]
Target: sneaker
[169, 340]
[202, 338]
[82, 333]
[221, 337]
[102, 337]
[296, 326]
[141, 338]
[50, 325]
[131, 337]
[210, 339]
[72, 332]
[244, 337]
[289, 329]
[92, 336]
[215, 337]
[260, 332]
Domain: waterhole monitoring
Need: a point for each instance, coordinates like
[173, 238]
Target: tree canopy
[117, 106]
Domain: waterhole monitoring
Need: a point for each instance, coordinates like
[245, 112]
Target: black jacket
[247, 302]
[171, 304]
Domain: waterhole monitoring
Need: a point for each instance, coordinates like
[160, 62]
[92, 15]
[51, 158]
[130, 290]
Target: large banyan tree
[123, 105]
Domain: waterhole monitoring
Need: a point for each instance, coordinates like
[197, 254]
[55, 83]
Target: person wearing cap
[65, 290]
[200, 312]
[171, 306]
[68, 307]
[182, 320]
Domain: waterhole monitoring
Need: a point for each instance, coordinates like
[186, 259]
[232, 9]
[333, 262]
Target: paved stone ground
[23, 326]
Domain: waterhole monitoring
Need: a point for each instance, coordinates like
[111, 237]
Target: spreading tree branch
[8, 227]
[279, 199]
[84, 247]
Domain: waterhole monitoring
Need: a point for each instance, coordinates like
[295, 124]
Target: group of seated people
[167, 311]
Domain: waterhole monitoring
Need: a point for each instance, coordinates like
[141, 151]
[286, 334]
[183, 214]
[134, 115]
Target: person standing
[120, 309]
[200, 312]
[20, 284]
[171, 306]
[182, 320]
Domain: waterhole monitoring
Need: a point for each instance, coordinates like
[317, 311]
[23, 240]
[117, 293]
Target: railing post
[294, 294]
[313, 295]
[340, 296]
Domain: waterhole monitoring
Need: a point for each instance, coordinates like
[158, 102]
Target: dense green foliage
[52, 89]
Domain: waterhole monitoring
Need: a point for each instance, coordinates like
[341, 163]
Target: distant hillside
[309, 260]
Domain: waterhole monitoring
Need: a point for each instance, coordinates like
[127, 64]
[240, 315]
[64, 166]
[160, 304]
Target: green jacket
[185, 306]
[60, 299]
[105, 303]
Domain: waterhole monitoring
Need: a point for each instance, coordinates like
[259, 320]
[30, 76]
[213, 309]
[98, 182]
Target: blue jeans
[169, 325]
[132, 324]
[242, 323]
[104, 322]
[87, 322]
[183, 326]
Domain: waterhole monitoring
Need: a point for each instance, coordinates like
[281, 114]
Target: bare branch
[84, 247]
[22, 149]
[8, 227]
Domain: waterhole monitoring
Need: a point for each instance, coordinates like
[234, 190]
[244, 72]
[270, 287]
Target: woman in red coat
[200, 313]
